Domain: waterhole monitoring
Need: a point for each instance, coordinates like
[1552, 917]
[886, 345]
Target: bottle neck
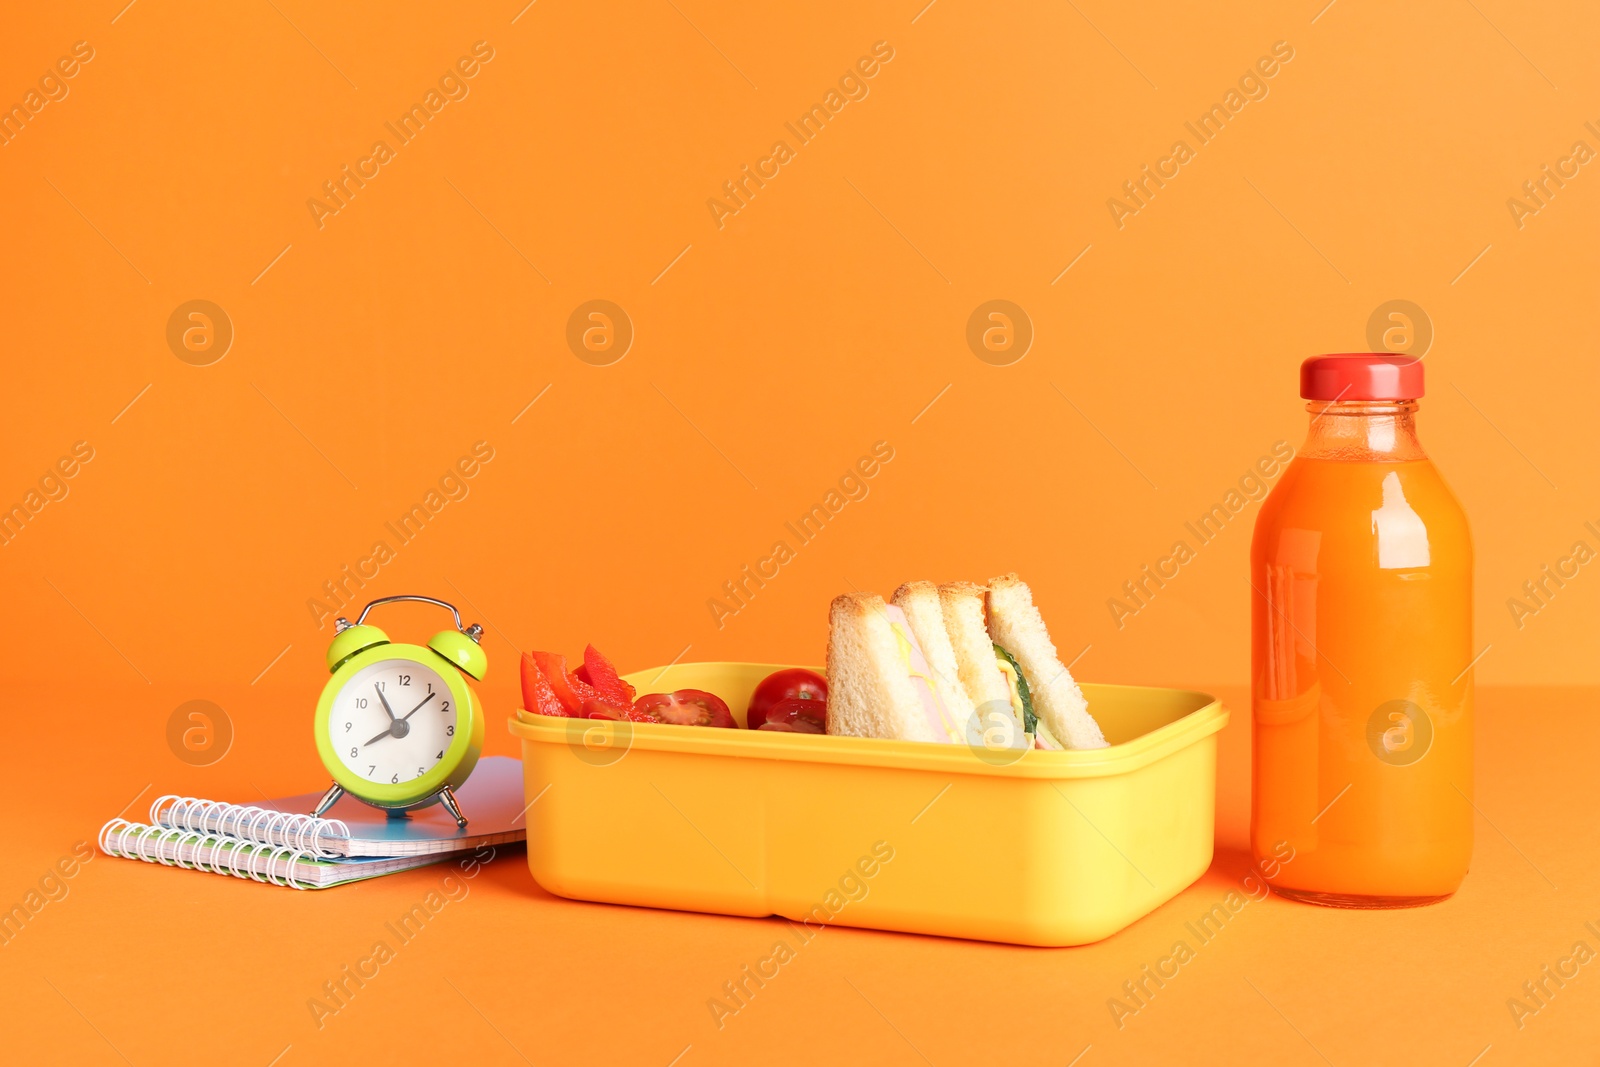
[1363, 431]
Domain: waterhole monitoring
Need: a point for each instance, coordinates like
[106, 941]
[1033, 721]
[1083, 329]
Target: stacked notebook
[277, 842]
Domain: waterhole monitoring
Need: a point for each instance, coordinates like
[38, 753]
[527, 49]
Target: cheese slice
[940, 720]
[1039, 736]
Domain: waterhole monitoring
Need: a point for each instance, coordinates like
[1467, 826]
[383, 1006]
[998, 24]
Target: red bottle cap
[1361, 376]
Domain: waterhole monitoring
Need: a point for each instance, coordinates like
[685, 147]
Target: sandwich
[879, 682]
[953, 663]
[1023, 643]
[999, 701]
[924, 613]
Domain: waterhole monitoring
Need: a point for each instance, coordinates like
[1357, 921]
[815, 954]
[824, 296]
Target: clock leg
[329, 799]
[448, 799]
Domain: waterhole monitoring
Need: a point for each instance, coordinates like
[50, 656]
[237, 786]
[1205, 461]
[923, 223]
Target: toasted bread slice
[923, 611]
[870, 693]
[1016, 625]
[987, 689]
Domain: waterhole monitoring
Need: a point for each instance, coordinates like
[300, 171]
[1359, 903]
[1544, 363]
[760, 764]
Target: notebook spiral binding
[263, 826]
[197, 851]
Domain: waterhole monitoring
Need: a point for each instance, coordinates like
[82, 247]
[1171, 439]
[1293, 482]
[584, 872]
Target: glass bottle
[1361, 689]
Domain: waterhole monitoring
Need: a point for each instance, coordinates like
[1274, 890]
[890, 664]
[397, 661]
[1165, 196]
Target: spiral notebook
[278, 842]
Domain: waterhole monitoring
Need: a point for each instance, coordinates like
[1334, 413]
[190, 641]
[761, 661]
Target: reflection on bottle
[1291, 594]
[1288, 710]
[1402, 536]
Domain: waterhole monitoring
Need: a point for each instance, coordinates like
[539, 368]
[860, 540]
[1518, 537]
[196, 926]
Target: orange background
[371, 353]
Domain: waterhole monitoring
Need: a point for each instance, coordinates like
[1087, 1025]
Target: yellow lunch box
[1045, 848]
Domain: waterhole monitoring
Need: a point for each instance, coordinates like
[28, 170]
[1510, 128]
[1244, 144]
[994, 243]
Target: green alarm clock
[397, 725]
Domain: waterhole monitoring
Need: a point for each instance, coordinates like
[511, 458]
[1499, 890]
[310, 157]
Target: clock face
[393, 721]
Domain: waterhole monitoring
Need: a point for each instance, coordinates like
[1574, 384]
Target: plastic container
[1055, 848]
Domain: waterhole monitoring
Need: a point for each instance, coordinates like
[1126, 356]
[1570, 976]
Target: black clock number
[450, 731]
[347, 726]
[354, 751]
[370, 768]
[419, 772]
[405, 679]
[444, 705]
[361, 702]
[396, 779]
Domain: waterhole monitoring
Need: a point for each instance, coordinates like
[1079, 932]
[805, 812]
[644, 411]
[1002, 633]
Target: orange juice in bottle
[1361, 619]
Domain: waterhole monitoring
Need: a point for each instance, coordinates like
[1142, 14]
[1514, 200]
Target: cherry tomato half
[796, 683]
[685, 707]
[797, 716]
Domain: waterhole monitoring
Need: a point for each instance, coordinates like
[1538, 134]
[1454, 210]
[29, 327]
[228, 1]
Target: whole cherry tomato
[795, 683]
[797, 716]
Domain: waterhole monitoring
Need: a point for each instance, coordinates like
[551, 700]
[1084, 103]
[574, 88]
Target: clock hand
[418, 708]
[389, 731]
[386, 709]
